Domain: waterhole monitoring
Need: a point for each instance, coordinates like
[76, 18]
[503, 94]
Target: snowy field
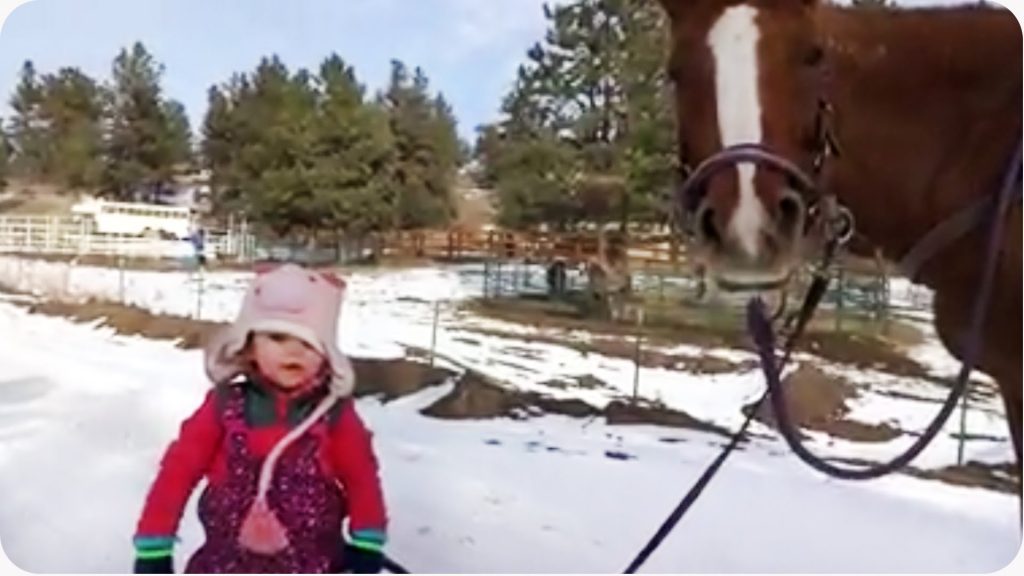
[85, 415]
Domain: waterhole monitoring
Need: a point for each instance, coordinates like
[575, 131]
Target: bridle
[819, 203]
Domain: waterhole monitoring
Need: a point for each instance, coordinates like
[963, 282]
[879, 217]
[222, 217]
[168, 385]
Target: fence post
[85, 237]
[487, 277]
[243, 243]
[433, 331]
[636, 353]
[883, 304]
[67, 280]
[120, 268]
[963, 425]
[199, 292]
[839, 299]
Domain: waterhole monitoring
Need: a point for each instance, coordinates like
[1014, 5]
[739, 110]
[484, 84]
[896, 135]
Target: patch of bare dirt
[395, 378]
[623, 413]
[817, 401]
[977, 393]
[862, 351]
[1004, 477]
[584, 382]
[902, 334]
[474, 396]
[708, 364]
[1000, 477]
[133, 321]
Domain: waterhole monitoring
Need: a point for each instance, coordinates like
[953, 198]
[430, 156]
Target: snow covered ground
[80, 439]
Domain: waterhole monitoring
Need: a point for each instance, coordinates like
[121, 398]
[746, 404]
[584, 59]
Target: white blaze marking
[733, 42]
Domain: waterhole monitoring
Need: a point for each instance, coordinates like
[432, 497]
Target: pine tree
[219, 143]
[177, 137]
[73, 110]
[148, 137]
[594, 85]
[278, 121]
[306, 154]
[5, 158]
[354, 154]
[27, 127]
[426, 147]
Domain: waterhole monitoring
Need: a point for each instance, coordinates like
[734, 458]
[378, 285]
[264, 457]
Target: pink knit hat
[302, 303]
[291, 300]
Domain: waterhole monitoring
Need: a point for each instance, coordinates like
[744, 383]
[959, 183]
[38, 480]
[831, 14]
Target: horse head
[752, 133]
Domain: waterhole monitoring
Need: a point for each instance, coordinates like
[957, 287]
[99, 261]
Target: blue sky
[469, 48]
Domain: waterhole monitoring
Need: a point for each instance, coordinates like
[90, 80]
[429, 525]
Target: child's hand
[161, 565]
[363, 561]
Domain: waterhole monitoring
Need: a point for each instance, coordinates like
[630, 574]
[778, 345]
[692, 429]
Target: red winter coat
[200, 451]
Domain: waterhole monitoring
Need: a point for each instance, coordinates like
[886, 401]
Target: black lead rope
[394, 567]
[814, 294]
[761, 330]
[677, 514]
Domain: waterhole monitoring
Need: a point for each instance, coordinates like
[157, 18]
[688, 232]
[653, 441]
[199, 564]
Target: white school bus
[136, 218]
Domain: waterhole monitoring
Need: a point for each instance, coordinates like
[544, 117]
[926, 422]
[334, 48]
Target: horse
[901, 117]
[608, 278]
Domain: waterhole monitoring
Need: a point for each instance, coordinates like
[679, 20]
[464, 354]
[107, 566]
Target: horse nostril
[790, 212]
[706, 226]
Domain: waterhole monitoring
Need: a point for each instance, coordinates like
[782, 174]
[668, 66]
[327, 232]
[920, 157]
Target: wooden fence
[453, 245]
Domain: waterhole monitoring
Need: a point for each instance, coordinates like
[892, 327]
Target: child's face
[286, 361]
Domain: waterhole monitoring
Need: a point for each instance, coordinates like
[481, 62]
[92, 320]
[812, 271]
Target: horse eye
[814, 56]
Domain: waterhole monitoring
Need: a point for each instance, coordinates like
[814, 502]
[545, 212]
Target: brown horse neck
[927, 112]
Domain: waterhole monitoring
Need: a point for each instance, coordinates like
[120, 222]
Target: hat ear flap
[343, 376]
[224, 355]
